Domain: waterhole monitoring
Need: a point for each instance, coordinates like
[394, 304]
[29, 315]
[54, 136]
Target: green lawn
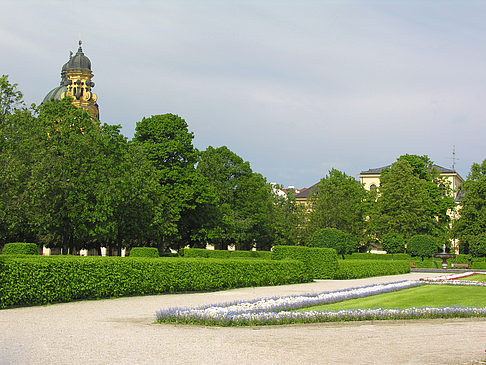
[422, 296]
[477, 277]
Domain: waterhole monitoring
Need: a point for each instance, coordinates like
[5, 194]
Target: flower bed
[282, 310]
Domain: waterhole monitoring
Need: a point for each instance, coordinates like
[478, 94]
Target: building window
[373, 187]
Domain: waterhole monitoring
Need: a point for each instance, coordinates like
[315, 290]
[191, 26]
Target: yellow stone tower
[76, 83]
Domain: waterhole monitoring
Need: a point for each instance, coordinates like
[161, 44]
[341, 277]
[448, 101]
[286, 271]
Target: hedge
[50, 279]
[377, 256]
[356, 269]
[20, 248]
[144, 252]
[225, 254]
[322, 263]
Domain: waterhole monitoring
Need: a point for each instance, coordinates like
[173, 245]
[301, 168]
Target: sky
[294, 87]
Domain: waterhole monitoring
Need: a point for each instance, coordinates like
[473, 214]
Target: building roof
[378, 170]
[79, 61]
[305, 193]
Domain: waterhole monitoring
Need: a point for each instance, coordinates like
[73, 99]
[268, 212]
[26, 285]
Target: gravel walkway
[121, 331]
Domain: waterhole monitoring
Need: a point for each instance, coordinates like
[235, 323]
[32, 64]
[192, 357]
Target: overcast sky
[294, 87]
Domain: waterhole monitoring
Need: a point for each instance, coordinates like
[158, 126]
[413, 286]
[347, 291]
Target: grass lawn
[477, 277]
[426, 295]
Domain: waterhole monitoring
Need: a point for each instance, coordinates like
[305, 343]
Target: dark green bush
[343, 243]
[422, 245]
[377, 256]
[225, 254]
[144, 252]
[322, 263]
[20, 248]
[356, 269]
[49, 279]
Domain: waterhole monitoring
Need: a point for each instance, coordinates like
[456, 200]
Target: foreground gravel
[121, 331]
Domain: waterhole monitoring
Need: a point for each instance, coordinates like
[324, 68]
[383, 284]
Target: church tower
[76, 83]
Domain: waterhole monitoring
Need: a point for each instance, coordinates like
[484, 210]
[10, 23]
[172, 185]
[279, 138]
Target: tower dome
[79, 61]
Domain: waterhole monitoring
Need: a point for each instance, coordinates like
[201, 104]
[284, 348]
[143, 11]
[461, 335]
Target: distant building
[371, 178]
[76, 83]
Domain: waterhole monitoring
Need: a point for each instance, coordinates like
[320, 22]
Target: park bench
[460, 266]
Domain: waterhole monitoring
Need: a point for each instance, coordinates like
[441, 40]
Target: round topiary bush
[393, 243]
[144, 252]
[422, 245]
[20, 248]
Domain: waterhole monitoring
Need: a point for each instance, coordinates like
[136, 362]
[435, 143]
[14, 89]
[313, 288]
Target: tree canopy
[340, 202]
[410, 201]
[472, 220]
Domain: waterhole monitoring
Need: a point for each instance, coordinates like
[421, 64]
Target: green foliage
[20, 248]
[287, 219]
[393, 243]
[183, 194]
[422, 245]
[375, 256]
[10, 98]
[356, 269]
[144, 252]
[472, 220]
[340, 202]
[343, 243]
[321, 262]
[242, 213]
[477, 245]
[225, 254]
[410, 201]
[42, 280]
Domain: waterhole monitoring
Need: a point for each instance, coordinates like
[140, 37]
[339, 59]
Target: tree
[409, 204]
[11, 99]
[241, 215]
[183, 193]
[393, 243]
[287, 219]
[422, 245]
[477, 245]
[343, 243]
[340, 202]
[472, 220]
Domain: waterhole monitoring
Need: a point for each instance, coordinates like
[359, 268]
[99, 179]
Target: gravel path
[121, 331]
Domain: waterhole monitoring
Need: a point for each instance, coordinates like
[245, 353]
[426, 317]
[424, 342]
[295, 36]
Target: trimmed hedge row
[41, 280]
[225, 254]
[20, 248]
[322, 263]
[376, 256]
[356, 269]
[144, 252]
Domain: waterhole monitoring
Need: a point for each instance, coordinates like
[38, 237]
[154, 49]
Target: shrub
[144, 252]
[356, 269]
[225, 254]
[20, 248]
[422, 245]
[393, 243]
[49, 279]
[377, 256]
[343, 243]
[321, 263]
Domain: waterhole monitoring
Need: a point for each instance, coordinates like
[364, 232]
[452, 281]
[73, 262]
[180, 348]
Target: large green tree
[183, 193]
[410, 201]
[340, 202]
[242, 214]
[472, 220]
